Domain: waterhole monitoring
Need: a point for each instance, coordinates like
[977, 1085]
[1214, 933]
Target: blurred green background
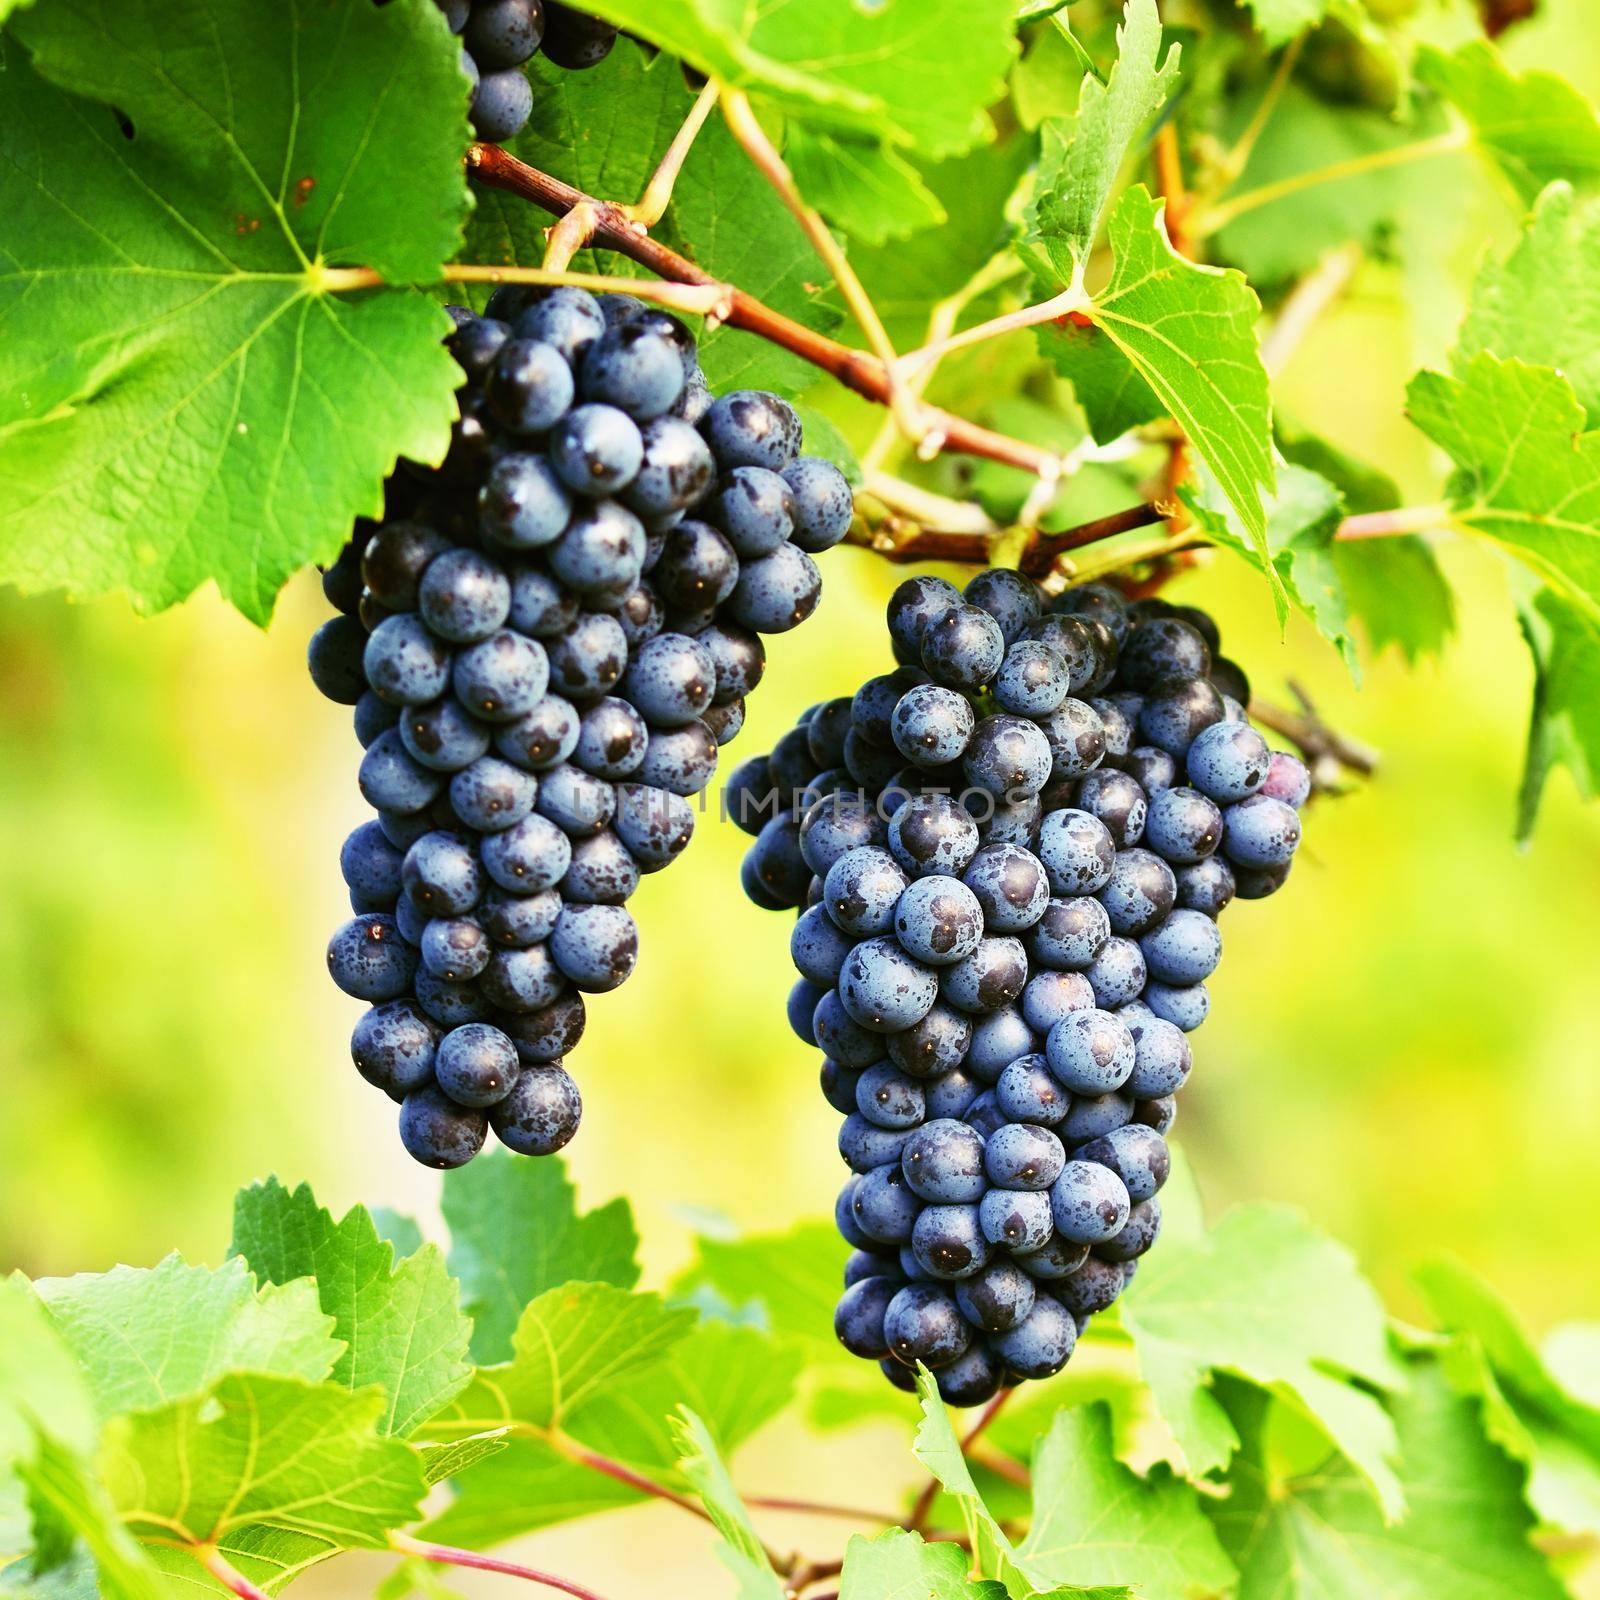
[1404, 1043]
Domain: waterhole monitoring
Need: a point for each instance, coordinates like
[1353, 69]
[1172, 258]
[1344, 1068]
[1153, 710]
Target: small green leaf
[1097, 1521]
[899, 1565]
[144, 1336]
[1262, 1294]
[1302, 519]
[1564, 729]
[865, 188]
[1279, 21]
[1190, 332]
[441, 1461]
[181, 398]
[1319, 1536]
[500, 1197]
[1535, 127]
[1542, 304]
[1081, 159]
[401, 1322]
[300, 1457]
[917, 72]
[1529, 473]
[792, 1278]
[741, 1550]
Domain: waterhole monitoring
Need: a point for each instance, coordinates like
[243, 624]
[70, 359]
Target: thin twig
[1312, 737]
[1169, 176]
[746, 128]
[1074, 298]
[615, 1470]
[647, 211]
[1003, 1466]
[705, 299]
[449, 1555]
[855, 369]
[1389, 524]
[224, 1571]
[817, 1508]
[570, 234]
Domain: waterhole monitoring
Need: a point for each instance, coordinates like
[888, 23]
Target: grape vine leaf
[1528, 1410]
[450, 1457]
[145, 1336]
[1319, 1537]
[500, 1197]
[401, 1322]
[1263, 1295]
[42, 1386]
[917, 72]
[862, 186]
[1542, 304]
[1190, 333]
[1564, 726]
[1528, 472]
[1302, 518]
[1097, 1521]
[789, 1280]
[1081, 157]
[256, 1449]
[181, 397]
[1535, 127]
[741, 1550]
[1279, 21]
[603, 131]
[900, 1565]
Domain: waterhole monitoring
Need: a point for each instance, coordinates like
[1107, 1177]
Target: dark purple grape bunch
[498, 39]
[546, 642]
[1009, 856]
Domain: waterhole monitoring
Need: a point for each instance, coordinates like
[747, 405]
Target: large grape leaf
[900, 1565]
[1319, 1536]
[1564, 728]
[1528, 474]
[1535, 127]
[42, 1387]
[500, 1197]
[1097, 1521]
[603, 131]
[1542, 304]
[1190, 333]
[1265, 1296]
[741, 1550]
[401, 1323]
[868, 189]
[787, 1283]
[257, 1450]
[1082, 156]
[914, 71]
[181, 397]
[147, 1335]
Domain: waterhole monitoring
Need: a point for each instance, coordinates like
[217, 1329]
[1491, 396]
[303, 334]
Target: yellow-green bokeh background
[1406, 1042]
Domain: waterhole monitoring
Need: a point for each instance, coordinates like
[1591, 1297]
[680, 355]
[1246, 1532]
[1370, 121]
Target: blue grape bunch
[546, 643]
[1008, 857]
[498, 39]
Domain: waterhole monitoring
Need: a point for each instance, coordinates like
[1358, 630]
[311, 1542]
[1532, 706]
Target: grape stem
[857, 370]
[224, 1571]
[449, 1555]
[649, 208]
[1322, 746]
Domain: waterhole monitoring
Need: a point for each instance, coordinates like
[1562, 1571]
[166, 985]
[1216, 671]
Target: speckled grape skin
[1228, 762]
[405, 663]
[1260, 832]
[1077, 850]
[748, 428]
[1077, 738]
[393, 1047]
[1141, 892]
[933, 834]
[1009, 756]
[540, 1114]
[1137, 1154]
[777, 592]
[932, 725]
[991, 977]
[1183, 949]
[1041, 1344]
[1032, 680]
[1117, 973]
[934, 1046]
[999, 1037]
[938, 920]
[1184, 1005]
[1089, 1202]
[1069, 933]
[883, 1205]
[884, 989]
[1018, 1219]
[823, 505]
[595, 946]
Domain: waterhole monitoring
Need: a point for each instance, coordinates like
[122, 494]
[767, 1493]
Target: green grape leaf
[787, 1282]
[1564, 729]
[144, 1336]
[1190, 332]
[1528, 1408]
[1263, 1295]
[446, 1459]
[500, 1197]
[867, 189]
[1097, 1521]
[1542, 304]
[901, 1565]
[1536, 127]
[741, 1550]
[1302, 519]
[1081, 157]
[1319, 1536]
[302, 1458]
[1113, 394]
[917, 72]
[402, 1325]
[1528, 474]
[603, 131]
[1393, 586]
[1279, 21]
[42, 1386]
[182, 398]
[403, 1232]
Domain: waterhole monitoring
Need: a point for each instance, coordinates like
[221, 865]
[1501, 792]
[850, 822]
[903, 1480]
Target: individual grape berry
[1141, 1230]
[943, 1162]
[938, 920]
[1207, 886]
[1184, 948]
[834, 825]
[1183, 1005]
[372, 717]
[885, 1209]
[822, 505]
[1183, 826]
[839, 1086]
[1288, 779]
[933, 834]
[438, 1132]
[1011, 886]
[1032, 680]
[884, 989]
[749, 428]
[393, 1048]
[1141, 892]
[334, 658]
[991, 977]
[371, 865]
[546, 1035]
[1117, 733]
[997, 1298]
[491, 795]
[1023, 1156]
[698, 568]
[476, 1065]
[924, 1323]
[1260, 832]
[654, 824]
[1137, 1154]
[504, 33]
[676, 472]
[1228, 762]
[530, 387]
[518, 921]
[755, 509]
[542, 737]
[595, 946]
[1015, 1220]
[1090, 1052]
[1090, 1202]
[441, 874]
[1093, 1115]
[601, 554]
[1117, 974]
[1026, 1092]
[602, 872]
[859, 1317]
[589, 658]
[1117, 801]
[369, 960]
[861, 890]
[984, 1115]
[863, 1145]
[1052, 996]
[522, 505]
[1057, 1258]
[912, 607]
[972, 1379]
[597, 449]
[776, 593]
[635, 368]
[671, 680]
[394, 560]
[568, 319]
[540, 1113]
[1077, 850]
[1161, 650]
[963, 647]
[1093, 1287]
[951, 1094]
[948, 1241]
[1099, 601]
[933, 1047]
[501, 105]
[1257, 883]
[679, 760]
[932, 725]
[1008, 756]
[1011, 599]
[1162, 1058]
[888, 1098]
[998, 1038]
[1041, 1344]
[443, 736]
[1153, 770]
[405, 663]
[455, 948]
[530, 855]
[1076, 737]
[540, 607]
[839, 1035]
[1069, 933]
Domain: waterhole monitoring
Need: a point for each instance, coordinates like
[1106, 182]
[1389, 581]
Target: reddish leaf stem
[448, 1555]
[224, 1571]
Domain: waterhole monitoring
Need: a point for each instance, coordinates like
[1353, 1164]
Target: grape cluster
[1009, 856]
[499, 37]
[546, 641]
